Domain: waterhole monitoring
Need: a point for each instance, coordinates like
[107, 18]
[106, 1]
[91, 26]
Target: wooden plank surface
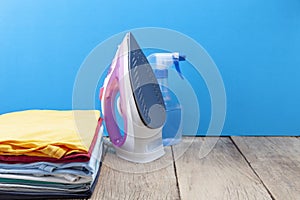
[120, 179]
[222, 174]
[276, 160]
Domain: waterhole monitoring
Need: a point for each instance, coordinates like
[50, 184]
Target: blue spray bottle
[161, 62]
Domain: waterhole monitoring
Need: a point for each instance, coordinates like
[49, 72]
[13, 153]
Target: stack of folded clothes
[49, 154]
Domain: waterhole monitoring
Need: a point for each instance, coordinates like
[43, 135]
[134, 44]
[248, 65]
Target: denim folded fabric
[45, 195]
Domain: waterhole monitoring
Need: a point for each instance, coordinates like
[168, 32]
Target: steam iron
[140, 104]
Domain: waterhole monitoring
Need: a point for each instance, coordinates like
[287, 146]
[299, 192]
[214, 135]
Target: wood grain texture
[120, 179]
[276, 160]
[222, 174]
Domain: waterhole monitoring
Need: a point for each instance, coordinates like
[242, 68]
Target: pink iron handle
[109, 112]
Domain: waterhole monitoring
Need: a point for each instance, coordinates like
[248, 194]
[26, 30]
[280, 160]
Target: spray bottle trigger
[176, 63]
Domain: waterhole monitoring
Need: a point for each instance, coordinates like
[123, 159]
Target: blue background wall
[255, 44]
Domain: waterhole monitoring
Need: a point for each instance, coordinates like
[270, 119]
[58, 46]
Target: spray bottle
[161, 62]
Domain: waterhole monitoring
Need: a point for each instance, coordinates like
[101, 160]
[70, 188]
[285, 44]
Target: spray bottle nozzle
[181, 57]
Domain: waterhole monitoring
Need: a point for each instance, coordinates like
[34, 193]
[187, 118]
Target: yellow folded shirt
[47, 133]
